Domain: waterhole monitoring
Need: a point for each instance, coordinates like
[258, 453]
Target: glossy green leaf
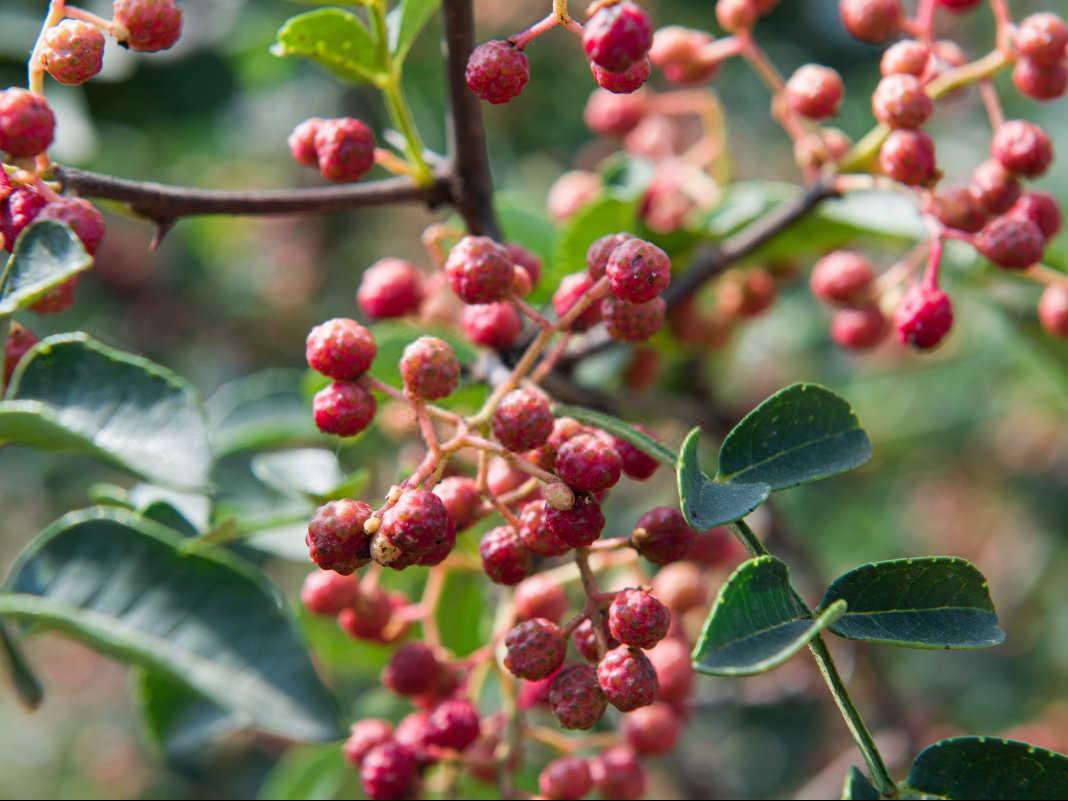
[308, 773]
[263, 410]
[620, 429]
[189, 512]
[127, 587]
[933, 602]
[46, 254]
[604, 215]
[706, 503]
[71, 393]
[406, 21]
[335, 39]
[858, 788]
[308, 471]
[757, 622]
[180, 721]
[989, 768]
[800, 434]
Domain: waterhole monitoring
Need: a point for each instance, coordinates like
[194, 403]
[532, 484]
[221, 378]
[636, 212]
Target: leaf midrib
[730, 477]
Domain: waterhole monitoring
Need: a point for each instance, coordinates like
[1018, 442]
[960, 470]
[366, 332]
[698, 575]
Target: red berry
[611, 114]
[626, 82]
[576, 697]
[493, 325]
[566, 777]
[571, 289]
[959, 6]
[412, 670]
[346, 149]
[497, 71]
[679, 53]
[1042, 210]
[461, 499]
[27, 124]
[151, 25]
[535, 649]
[1043, 38]
[637, 464]
[822, 147]
[736, 15]
[585, 640]
[637, 618]
[923, 317]
[81, 217]
[1011, 242]
[343, 409]
[681, 586]
[908, 57]
[535, 534]
[390, 771]
[653, 729]
[366, 735]
[627, 678]
[504, 557]
[601, 251]
[503, 477]
[571, 192]
[326, 592]
[412, 733]
[662, 535]
[1023, 148]
[578, 526]
[527, 261]
[872, 21]
[368, 617]
[901, 102]
[73, 51]
[302, 142]
[617, 774]
[638, 271]
[479, 270]
[390, 288]
[859, 328]
[1053, 310]
[588, 463]
[454, 724]
[674, 670]
[417, 529]
[57, 299]
[842, 277]
[341, 349]
[19, 341]
[430, 368]
[995, 188]
[522, 420]
[336, 539]
[959, 208]
[815, 92]
[617, 36]
[633, 322]
[20, 209]
[539, 596]
[909, 157]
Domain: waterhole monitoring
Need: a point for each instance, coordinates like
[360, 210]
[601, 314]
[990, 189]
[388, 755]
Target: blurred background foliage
[971, 456]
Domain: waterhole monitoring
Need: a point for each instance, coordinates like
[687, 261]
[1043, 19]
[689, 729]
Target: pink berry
[1042, 38]
[493, 325]
[415, 530]
[872, 21]
[674, 670]
[815, 92]
[909, 157]
[662, 535]
[346, 149]
[504, 557]
[633, 322]
[822, 147]
[842, 277]
[1011, 242]
[522, 420]
[461, 499]
[566, 777]
[57, 299]
[80, 216]
[571, 192]
[1023, 148]
[617, 774]
[638, 271]
[430, 368]
[576, 698]
[637, 464]
[497, 71]
[571, 289]
[680, 54]
[617, 36]
[19, 341]
[341, 349]
[1041, 209]
[535, 649]
[995, 188]
[390, 288]
[652, 730]
[610, 114]
[539, 596]
[588, 463]
[412, 670]
[859, 328]
[627, 678]
[585, 639]
[343, 409]
[1053, 310]
[535, 533]
[527, 261]
[326, 592]
[389, 771]
[959, 6]
[736, 15]
[412, 732]
[626, 82]
[923, 317]
[73, 51]
[367, 617]
[365, 736]
[1039, 81]
[302, 142]
[479, 270]
[601, 251]
[503, 477]
[901, 102]
[27, 124]
[336, 539]
[959, 208]
[681, 586]
[454, 724]
[908, 57]
[151, 25]
[637, 618]
[579, 526]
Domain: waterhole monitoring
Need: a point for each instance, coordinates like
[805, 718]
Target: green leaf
[933, 602]
[989, 768]
[308, 471]
[127, 587]
[800, 434]
[46, 255]
[462, 621]
[335, 39]
[188, 512]
[706, 503]
[758, 622]
[620, 429]
[263, 410]
[179, 720]
[309, 772]
[858, 788]
[71, 393]
[602, 216]
[406, 21]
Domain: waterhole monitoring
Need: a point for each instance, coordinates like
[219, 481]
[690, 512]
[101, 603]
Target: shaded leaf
[335, 39]
[461, 620]
[307, 773]
[706, 503]
[989, 768]
[309, 471]
[46, 255]
[858, 788]
[406, 21]
[263, 410]
[620, 429]
[179, 720]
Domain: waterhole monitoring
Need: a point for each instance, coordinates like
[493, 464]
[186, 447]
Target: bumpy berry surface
[578, 526]
[652, 730]
[73, 51]
[588, 463]
[493, 325]
[627, 678]
[341, 349]
[151, 24]
[958, 207]
[326, 592]
[81, 216]
[859, 328]
[366, 735]
[571, 289]
[302, 142]
[1012, 242]
[390, 288]
[535, 533]
[479, 270]
[633, 322]
[19, 210]
[923, 317]
[638, 271]
[535, 649]
[611, 114]
[815, 92]
[842, 277]
[522, 420]
[343, 409]
[637, 618]
[1023, 148]
[1041, 209]
[566, 777]
[871, 20]
[539, 596]
[415, 530]
[674, 670]
[346, 149]
[453, 724]
[995, 188]
[412, 670]
[461, 498]
[626, 82]
[368, 616]
[430, 368]
[504, 557]
[909, 157]
[901, 102]
[908, 57]
[617, 774]
[389, 771]
[412, 733]
[497, 71]
[1043, 38]
[1053, 310]
[20, 339]
[601, 251]
[637, 464]
[1040, 81]
[576, 698]
[662, 535]
[336, 539]
[680, 586]
[27, 124]
[617, 36]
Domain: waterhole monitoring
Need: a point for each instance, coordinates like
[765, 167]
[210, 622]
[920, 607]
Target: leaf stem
[750, 540]
[26, 683]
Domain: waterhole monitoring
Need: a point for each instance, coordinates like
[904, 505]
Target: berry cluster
[342, 149]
